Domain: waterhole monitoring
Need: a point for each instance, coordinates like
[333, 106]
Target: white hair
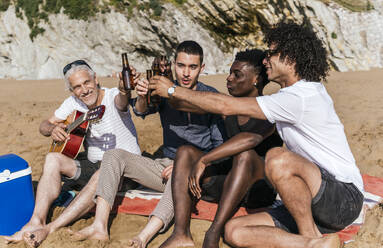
[73, 69]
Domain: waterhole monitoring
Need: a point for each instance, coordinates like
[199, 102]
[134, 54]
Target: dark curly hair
[255, 58]
[300, 45]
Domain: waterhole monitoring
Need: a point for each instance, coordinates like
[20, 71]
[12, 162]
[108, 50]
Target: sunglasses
[75, 63]
[269, 53]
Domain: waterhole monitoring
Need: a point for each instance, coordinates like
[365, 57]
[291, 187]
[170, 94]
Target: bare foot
[18, 236]
[35, 238]
[92, 233]
[136, 242]
[178, 241]
[329, 241]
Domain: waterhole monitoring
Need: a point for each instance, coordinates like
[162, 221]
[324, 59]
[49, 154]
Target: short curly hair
[255, 58]
[300, 45]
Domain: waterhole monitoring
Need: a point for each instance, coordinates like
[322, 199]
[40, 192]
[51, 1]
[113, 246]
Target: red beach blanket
[143, 202]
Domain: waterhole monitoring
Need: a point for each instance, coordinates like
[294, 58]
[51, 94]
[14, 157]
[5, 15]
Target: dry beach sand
[24, 104]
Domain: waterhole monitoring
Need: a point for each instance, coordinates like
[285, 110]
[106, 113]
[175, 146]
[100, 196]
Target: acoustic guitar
[77, 126]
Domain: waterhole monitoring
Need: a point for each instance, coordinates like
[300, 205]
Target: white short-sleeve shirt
[114, 130]
[308, 124]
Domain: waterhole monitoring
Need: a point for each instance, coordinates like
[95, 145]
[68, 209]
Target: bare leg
[185, 158]
[247, 168]
[257, 230]
[159, 218]
[297, 181]
[82, 204]
[153, 226]
[99, 228]
[48, 190]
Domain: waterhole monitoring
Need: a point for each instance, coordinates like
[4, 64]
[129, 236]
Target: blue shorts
[336, 205]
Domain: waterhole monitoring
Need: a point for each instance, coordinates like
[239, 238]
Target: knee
[52, 162]
[246, 160]
[114, 160]
[277, 165]
[94, 178]
[233, 233]
[187, 154]
[114, 155]
[185, 150]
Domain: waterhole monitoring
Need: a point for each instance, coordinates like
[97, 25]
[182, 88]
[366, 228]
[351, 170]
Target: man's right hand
[59, 134]
[142, 87]
[160, 85]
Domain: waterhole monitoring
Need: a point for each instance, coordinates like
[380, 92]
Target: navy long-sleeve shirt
[204, 131]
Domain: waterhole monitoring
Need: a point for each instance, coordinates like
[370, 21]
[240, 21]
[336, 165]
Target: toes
[11, 239]
[68, 230]
[29, 239]
[135, 243]
[78, 236]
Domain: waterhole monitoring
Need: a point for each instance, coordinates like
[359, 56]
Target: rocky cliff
[354, 39]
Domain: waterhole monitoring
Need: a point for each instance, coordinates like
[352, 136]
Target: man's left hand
[167, 172]
[160, 86]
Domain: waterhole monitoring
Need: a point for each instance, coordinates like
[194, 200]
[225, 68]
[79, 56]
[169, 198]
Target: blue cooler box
[16, 192]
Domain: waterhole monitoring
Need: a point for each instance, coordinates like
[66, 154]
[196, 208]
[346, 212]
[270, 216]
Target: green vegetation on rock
[4, 4]
[38, 10]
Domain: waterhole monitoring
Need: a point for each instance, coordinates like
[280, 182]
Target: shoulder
[303, 89]
[203, 87]
[110, 92]
[71, 102]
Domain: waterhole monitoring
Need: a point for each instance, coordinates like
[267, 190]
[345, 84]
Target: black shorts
[336, 205]
[259, 195]
[85, 170]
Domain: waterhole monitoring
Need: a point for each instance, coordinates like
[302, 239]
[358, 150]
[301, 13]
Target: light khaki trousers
[146, 171]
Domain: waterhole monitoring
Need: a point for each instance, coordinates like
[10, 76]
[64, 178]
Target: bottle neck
[125, 62]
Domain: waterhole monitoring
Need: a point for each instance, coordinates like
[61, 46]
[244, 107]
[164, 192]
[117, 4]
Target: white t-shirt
[114, 130]
[308, 124]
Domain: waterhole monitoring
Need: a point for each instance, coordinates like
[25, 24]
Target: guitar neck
[81, 119]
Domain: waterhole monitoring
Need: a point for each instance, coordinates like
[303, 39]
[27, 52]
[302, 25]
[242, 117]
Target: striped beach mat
[143, 201]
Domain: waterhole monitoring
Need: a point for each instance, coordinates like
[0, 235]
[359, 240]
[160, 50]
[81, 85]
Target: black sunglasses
[75, 63]
[270, 53]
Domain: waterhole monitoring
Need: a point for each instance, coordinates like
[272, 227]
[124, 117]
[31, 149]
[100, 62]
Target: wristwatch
[171, 90]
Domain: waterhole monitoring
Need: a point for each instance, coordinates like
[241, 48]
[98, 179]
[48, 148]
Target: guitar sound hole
[79, 131]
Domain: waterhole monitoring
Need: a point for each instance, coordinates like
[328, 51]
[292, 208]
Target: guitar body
[71, 147]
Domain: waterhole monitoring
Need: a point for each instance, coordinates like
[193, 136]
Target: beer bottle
[165, 68]
[127, 76]
[168, 70]
[156, 71]
[149, 74]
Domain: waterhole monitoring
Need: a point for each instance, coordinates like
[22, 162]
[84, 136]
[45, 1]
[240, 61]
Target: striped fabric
[147, 172]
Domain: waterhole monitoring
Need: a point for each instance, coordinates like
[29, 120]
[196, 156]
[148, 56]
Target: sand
[24, 104]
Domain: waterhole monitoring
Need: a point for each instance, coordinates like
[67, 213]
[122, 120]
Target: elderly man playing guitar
[114, 130]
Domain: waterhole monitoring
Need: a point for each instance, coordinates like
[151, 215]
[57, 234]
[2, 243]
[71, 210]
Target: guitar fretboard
[76, 123]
